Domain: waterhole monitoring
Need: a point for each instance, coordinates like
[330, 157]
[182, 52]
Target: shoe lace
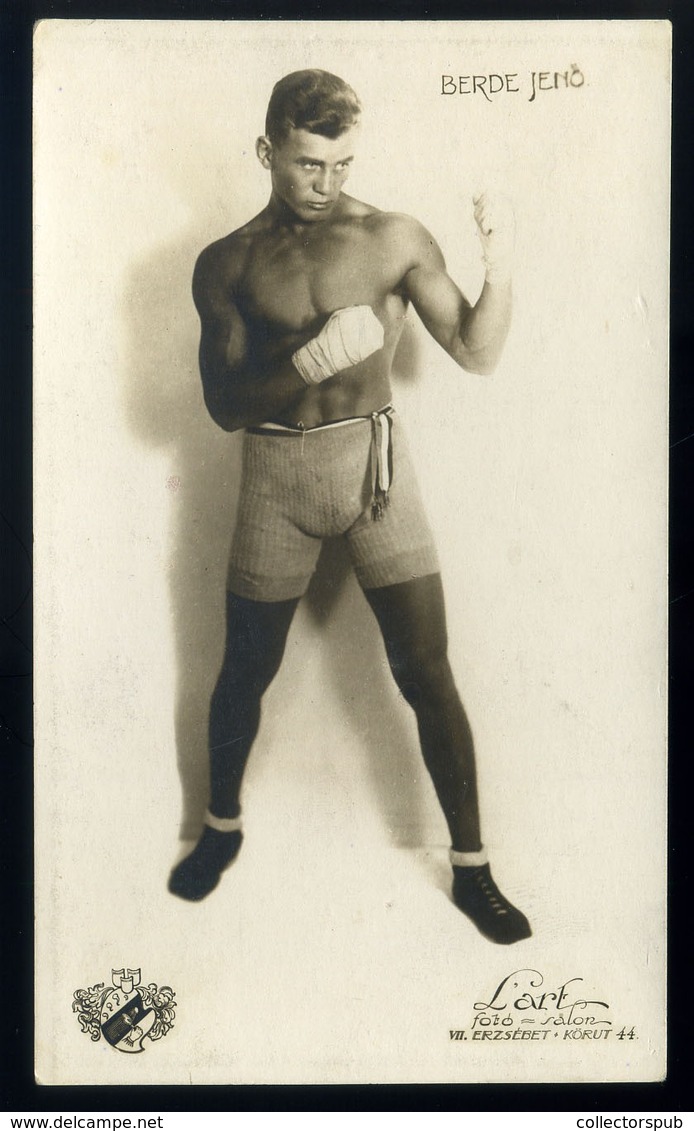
[492, 895]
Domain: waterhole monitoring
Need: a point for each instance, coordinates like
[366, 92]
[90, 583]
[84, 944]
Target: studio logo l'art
[126, 1013]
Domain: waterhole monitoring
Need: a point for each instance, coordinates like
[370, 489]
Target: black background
[18, 1092]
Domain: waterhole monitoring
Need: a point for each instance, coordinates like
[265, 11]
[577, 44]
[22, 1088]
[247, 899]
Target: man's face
[309, 170]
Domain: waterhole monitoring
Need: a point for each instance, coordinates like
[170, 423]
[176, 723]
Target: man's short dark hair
[311, 100]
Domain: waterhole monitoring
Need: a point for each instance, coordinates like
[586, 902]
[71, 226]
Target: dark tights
[256, 636]
[412, 619]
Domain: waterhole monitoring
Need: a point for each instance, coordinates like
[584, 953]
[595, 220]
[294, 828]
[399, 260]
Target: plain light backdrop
[546, 485]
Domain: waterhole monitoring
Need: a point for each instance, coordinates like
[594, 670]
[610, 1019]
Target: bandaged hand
[496, 231]
[349, 336]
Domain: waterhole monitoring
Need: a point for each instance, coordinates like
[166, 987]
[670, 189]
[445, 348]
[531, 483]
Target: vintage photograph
[350, 405]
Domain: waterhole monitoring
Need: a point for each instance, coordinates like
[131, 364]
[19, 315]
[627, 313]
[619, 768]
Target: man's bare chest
[289, 283]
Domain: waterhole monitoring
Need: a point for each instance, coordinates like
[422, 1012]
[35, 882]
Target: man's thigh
[412, 618]
[272, 558]
[256, 636]
[399, 546]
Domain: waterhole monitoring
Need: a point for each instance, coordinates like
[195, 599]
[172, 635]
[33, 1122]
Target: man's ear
[263, 149]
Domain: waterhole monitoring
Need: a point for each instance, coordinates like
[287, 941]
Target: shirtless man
[301, 312]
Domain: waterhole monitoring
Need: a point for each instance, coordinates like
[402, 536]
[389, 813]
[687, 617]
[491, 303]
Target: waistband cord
[381, 461]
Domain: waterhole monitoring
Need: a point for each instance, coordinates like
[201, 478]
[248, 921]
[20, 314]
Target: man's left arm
[473, 336]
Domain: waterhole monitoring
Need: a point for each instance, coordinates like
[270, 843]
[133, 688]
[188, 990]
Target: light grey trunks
[298, 486]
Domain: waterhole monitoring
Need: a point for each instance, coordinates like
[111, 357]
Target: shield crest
[125, 1013]
[125, 1020]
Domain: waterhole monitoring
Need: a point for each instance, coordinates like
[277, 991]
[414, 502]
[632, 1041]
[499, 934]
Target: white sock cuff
[223, 824]
[468, 859]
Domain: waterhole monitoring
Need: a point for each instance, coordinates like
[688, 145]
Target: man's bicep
[223, 338]
[437, 300]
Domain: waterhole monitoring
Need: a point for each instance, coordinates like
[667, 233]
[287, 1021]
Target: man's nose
[323, 182]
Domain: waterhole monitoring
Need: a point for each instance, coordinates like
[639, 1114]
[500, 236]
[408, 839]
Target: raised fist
[349, 336]
[496, 231]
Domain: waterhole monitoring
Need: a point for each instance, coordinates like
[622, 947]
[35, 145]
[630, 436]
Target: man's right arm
[239, 390]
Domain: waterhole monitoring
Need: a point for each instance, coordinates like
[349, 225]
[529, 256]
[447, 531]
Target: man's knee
[422, 672]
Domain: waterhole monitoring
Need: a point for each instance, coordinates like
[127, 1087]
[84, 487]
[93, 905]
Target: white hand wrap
[348, 337]
[496, 231]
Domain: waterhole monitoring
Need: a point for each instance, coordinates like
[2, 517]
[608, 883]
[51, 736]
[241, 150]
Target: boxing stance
[301, 311]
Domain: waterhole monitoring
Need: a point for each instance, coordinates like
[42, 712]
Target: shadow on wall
[165, 409]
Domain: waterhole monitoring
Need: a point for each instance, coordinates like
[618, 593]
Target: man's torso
[285, 281]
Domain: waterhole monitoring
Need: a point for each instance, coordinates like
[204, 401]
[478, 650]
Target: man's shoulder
[219, 267]
[224, 258]
[399, 240]
[397, 226]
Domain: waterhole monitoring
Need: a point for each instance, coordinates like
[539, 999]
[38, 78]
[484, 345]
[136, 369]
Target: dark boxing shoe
[478, 897]
[200, 872]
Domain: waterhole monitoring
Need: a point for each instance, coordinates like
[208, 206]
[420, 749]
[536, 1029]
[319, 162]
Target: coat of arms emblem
[126, 1013]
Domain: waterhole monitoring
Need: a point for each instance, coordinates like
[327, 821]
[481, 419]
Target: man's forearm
[238, 398]
[242, 394]
[485, 327]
